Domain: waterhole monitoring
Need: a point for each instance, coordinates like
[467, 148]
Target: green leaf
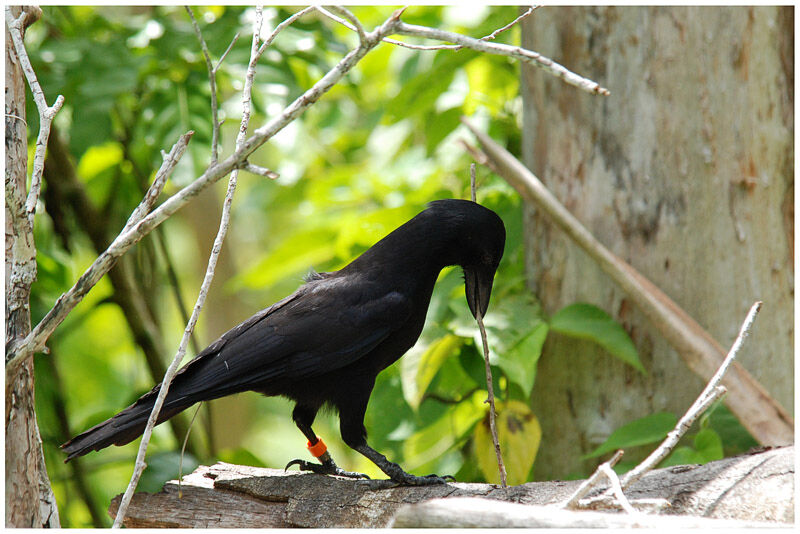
[519, 363]
[735, 438]
[164, 466]
[708, 445]
[640, 432]
[437, 438]
[681, 456]
[586, 321]
[519, 434]
[429, 364]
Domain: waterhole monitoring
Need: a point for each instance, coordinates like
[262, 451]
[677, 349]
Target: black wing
[324, 326]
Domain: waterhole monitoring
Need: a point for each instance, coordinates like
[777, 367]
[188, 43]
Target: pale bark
[750, 488]
[29, 498]
[685, 172]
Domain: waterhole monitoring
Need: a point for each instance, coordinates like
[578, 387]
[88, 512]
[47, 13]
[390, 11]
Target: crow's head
[478, 236]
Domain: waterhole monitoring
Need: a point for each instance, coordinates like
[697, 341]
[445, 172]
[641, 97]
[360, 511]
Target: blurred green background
[364, 159]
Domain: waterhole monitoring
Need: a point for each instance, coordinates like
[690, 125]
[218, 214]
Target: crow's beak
[478, 287]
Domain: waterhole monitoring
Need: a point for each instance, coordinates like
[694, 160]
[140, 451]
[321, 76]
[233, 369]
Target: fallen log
[757, 487]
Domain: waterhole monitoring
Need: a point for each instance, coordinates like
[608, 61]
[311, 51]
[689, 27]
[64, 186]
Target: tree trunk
[686, 172]
[29, 497]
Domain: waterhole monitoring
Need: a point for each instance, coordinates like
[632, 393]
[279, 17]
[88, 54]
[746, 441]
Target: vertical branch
[46, 113]
[492, 413]
[212, 81]
[489, 384]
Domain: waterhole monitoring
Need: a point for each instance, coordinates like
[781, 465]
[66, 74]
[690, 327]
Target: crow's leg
[303, 417]
[351, 419]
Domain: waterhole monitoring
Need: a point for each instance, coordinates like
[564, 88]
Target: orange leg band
[318, 449]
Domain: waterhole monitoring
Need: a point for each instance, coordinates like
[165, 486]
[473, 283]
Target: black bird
[326, 343]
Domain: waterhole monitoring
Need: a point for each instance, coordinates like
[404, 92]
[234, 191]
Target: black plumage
[326, 343]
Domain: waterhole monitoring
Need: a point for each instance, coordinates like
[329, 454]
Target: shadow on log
[748, 489]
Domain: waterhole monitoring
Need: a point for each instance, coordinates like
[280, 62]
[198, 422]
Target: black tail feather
[126, 426]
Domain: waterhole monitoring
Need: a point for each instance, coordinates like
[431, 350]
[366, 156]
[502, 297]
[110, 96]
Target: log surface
[757, 487]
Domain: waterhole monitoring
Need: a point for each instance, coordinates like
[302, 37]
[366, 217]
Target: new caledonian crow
[326, 343]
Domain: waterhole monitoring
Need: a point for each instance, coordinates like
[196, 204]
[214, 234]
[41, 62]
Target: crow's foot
[325, 468]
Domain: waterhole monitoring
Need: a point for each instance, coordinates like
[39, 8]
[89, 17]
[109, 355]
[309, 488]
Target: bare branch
[353, 20]
[616, 488]
[528, 56]
[167, 166]
[492, 413]
[212, 81]
[590, 482]
[260, 171]
[472, 187]
[353, 27]
[497, 32]
[225, 54]
[46, 114]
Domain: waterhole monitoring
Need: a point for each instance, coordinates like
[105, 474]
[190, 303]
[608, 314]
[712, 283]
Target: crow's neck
[415, 252]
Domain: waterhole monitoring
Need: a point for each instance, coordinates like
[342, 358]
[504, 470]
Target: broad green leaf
[586, 321]
[681, 456]
[519, 434]
[99, 158]
[707, 448]
[708, 445]
[519, 363]
[430, 362]
[640, 432]
[735, 438]
[434, 440]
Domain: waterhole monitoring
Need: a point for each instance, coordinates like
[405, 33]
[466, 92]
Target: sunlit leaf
[99, 158]
[586, 321]
[519, 363]
[519, 434]
[430, 362]
[642, 431]
[434, 440]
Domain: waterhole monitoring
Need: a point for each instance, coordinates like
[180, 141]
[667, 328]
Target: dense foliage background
[368, 156]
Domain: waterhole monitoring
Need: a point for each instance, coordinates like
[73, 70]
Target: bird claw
[327, 468]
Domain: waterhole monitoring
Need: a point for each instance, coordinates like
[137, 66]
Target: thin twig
[225, 54]
[260, 171]
[183, 450]
[212, 81]
[492, 414]
[497, 32]
[528, 56]
[279, 28]
[473, 192]
[359, 29]
[590, 482]
[167, 166]
[411, 46]
[46, 113]
[616, 488]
